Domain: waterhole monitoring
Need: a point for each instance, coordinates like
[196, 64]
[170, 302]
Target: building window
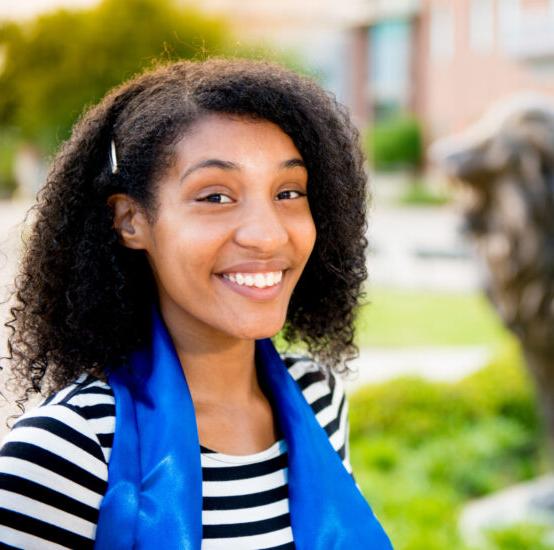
[390, 64]
[442, 32]
[527, 28]
[481, 26]
[509, 18]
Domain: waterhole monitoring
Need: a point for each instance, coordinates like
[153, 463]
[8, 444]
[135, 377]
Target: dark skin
[232, 235]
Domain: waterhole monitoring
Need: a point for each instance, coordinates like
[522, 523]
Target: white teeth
[259, 280]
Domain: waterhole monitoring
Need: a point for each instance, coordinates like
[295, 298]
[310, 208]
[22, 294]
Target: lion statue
[505, 165]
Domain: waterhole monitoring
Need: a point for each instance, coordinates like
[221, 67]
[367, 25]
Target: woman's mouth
[259, 286]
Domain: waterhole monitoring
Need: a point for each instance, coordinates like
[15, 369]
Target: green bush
[503, 449]
[520, 537]
[416, 410]
[8, 145]
[421, 449]
[395, 143]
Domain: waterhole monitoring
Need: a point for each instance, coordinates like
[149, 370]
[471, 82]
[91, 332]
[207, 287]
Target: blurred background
[451, 419]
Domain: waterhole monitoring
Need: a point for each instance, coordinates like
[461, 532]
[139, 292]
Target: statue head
[505, 165]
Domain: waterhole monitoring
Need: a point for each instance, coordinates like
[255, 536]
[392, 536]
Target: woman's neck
[222, 375]
[217, 367]
[233, 414]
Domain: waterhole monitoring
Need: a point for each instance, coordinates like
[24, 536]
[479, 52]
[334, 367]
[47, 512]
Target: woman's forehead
[234, 139]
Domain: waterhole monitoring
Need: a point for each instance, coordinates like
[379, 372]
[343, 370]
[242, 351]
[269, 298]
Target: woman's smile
[258, 281]
[254, 287]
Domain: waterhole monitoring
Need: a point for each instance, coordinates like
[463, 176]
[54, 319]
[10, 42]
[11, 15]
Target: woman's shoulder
[82, 392]
[324, 391]
[314, 379]
[54, 468]
[82, 413]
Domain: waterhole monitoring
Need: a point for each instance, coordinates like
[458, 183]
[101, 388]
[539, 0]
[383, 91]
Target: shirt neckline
[275, 449]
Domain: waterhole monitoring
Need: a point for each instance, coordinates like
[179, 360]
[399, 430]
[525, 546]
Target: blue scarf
[154, 494]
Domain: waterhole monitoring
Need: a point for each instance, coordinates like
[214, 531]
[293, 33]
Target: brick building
[448, 61]
[445, 60]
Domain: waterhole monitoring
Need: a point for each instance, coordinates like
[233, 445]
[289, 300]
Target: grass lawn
[419, 194]
[416, 318]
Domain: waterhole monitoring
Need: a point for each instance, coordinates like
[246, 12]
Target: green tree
[55, 65]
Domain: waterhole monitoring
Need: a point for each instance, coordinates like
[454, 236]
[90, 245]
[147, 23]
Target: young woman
[194, 213]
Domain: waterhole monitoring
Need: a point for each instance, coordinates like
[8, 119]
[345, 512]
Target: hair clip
[113, 158]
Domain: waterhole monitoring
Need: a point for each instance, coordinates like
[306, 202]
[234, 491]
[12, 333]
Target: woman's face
[233, 229]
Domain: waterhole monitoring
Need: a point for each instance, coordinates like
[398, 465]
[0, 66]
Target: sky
[24, 9]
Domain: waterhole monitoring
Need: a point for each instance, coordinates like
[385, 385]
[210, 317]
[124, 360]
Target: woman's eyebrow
[228, 165]
[292, 163]
[210, 163]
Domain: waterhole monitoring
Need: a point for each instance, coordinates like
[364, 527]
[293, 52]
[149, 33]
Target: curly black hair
[83, 301]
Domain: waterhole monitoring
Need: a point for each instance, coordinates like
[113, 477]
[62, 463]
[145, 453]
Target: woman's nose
[261, 227]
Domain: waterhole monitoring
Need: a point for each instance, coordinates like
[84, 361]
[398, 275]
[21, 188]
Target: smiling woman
[197, 211]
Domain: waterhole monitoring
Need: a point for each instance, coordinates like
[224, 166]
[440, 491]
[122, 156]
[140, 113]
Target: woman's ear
[129, 221]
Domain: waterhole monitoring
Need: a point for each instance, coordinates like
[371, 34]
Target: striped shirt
[54, 471]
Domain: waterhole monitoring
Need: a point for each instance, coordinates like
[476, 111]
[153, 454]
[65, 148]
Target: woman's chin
[258, 331]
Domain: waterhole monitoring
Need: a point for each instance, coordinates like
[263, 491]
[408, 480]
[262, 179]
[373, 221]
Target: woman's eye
[290, 195]
[218, 198]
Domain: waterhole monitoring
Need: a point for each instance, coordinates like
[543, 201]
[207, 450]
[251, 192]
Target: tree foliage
[53, 66]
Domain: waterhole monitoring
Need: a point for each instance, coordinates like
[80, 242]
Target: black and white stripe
[246, 498]
[54, 471]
